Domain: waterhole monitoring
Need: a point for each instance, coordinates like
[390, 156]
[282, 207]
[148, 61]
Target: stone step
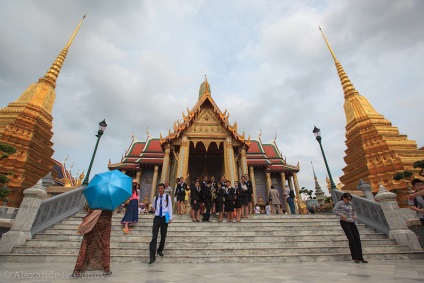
[188, 239]
[260, 238]
[242, 251]
[206, 227]
[215, 223]
[68, 258]
[212, 233]
[209, 244]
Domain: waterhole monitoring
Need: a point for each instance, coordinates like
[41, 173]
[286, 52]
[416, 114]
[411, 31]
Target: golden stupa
[26, 124]
[375, 149]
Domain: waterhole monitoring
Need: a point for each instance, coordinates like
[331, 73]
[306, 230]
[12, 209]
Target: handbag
[89, 221]
[167, 218]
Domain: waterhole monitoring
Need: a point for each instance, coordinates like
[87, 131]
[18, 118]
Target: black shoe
[357, 261]
[203, 220]
[160, 253]
[152, 260]
[364, 261]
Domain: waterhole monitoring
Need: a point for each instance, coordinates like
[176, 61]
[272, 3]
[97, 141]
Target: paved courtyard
[405, 271]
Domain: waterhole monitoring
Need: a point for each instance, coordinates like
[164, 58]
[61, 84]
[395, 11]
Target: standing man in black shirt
[207, 199]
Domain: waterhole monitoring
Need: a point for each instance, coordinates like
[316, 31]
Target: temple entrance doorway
[204, 162]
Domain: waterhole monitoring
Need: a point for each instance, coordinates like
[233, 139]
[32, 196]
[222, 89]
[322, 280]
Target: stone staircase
[261, 238]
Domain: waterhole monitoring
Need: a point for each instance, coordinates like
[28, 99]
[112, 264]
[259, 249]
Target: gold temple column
[154, 183]
[183, 158]
[230, 163]
[138, 177]
[283, 182]
[252, 179]
[239, 170]
[243, 161]
[290, 182]
[165, 165]
[268, 183]
[296, 185]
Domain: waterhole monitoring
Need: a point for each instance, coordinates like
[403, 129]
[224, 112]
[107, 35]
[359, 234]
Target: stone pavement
[386, 271]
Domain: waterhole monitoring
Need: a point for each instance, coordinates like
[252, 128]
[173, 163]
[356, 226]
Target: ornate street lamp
[317, 133]
[102, 127]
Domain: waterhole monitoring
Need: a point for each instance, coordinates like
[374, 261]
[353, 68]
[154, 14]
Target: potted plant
[311, 202]
[4, 192]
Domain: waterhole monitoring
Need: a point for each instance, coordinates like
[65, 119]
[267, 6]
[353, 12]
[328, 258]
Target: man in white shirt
[162, 204]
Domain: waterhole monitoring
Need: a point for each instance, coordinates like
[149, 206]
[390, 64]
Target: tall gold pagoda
[375, 149]
[26, 124]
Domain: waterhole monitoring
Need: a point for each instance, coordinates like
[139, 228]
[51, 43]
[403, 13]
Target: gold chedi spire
[375, 149]
[26, 124]
[356, 106]
[53, 72]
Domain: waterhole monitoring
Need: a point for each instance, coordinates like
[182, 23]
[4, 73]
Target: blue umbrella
[108, 190]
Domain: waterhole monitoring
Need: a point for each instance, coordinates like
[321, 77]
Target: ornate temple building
[204, 143]
[375, 149]
[26, 124]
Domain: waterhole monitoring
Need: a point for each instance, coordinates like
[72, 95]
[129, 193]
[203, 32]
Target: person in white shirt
[257, 209]
[268, 208]
[162, 205]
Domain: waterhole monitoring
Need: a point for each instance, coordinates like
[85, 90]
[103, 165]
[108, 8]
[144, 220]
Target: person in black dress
[249, 193]
[219, 201]
[229, 201]
[195, 204]
[244, 198]
[238, 200]
[180, 193]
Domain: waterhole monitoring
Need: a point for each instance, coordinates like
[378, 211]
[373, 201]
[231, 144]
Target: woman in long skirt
[131, 213]
[94, 252]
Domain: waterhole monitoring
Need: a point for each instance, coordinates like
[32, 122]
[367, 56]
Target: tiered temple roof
[150, 152]
[205, 98]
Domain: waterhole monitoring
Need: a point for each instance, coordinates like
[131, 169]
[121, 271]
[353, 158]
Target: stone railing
[368, 212]
[57, 208]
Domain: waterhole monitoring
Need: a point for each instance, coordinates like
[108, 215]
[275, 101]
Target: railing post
[366, 188]
[20, 231]
[398, 228]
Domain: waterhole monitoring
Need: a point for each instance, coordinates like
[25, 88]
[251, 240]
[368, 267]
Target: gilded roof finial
[275, 138]
[147, 132]
[328, 45]
[53, 72]
[260, 134]
[205, 88]
[313, 170]
[347, 85]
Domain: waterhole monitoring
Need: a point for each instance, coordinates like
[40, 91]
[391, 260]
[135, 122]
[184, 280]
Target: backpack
[291, 194]
[167, 199]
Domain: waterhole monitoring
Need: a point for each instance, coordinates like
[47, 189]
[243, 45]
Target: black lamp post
[317, 133]
[102, 127]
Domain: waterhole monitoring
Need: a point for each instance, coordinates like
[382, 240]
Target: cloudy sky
[139, 64]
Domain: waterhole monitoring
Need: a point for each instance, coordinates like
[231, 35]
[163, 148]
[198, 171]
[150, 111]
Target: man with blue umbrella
[162, 206]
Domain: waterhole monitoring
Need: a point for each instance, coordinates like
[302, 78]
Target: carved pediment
[206, 116]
